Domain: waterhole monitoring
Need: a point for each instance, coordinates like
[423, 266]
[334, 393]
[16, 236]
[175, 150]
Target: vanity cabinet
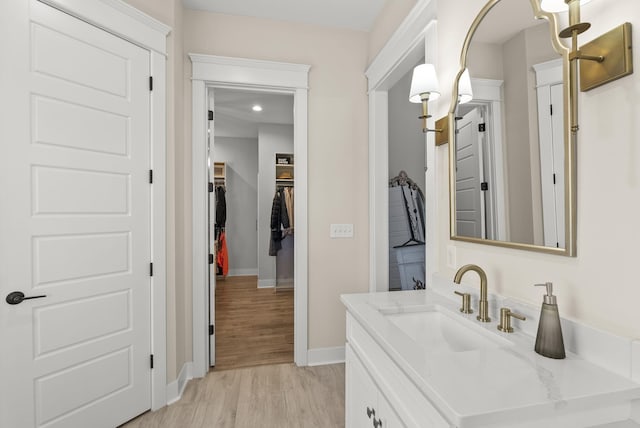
[367, 407]
[415, 360]
[374, 381]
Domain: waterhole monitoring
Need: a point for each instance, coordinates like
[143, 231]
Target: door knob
[16, 297]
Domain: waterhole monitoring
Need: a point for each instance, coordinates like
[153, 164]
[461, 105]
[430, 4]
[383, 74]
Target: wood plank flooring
[253, 325]
[282, 396]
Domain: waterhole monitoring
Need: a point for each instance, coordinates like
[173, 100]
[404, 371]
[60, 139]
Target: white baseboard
[176, 388]
[243, 272]
[266, 283]
[286, 282]
[324, 356]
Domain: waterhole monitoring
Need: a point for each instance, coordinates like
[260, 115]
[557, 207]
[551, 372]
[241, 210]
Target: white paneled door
[469, 199]
[74, 226]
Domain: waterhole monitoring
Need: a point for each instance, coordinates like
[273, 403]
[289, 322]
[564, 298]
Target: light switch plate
[341, 231]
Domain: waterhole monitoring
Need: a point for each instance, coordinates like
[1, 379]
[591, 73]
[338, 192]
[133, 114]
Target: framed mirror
[512, 154]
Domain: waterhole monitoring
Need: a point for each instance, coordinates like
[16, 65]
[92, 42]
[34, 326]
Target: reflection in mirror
[509, 144]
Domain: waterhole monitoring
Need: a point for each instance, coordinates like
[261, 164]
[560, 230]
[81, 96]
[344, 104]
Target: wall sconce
[607, 57]
[424, 88]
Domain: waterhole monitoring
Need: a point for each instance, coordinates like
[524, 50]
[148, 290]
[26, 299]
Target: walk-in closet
[252, 233]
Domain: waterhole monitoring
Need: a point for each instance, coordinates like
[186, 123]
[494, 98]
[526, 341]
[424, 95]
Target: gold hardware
[505, 319]
[614, 49]
[483, 315]
[442, 136]
[466, 302]
[426, 115]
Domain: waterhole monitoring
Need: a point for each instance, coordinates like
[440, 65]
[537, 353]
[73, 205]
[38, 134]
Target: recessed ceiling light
[256, 107]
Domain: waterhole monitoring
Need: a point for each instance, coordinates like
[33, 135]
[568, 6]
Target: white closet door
[469, 201]
[74, 224]
[212, 238]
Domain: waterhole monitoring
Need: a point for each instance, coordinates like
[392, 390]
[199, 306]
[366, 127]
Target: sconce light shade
[424, 84]
[465, 92]
[554, 6]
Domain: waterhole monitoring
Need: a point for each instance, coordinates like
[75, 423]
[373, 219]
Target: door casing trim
[212, 70]
[415, 38]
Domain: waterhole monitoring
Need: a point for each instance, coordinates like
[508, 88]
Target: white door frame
[488, 92]
[211, 70]
[415, 38]
[130, 24]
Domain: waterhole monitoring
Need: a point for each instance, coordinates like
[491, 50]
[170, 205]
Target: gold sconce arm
[607, 57]
[426, 115]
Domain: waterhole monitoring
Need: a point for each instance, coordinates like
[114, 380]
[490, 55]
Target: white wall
[241, 158]
[272, 139]
[391, 15]
[600, 286]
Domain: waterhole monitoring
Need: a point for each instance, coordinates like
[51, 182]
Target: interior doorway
[214, 71]
[251, 226]
[406, 178]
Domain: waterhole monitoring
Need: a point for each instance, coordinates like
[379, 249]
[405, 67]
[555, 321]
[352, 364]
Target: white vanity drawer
[404, 397]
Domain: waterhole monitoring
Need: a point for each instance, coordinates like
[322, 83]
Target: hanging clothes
[222, 255]
[279, 220]
[221, 210]
[288, 197]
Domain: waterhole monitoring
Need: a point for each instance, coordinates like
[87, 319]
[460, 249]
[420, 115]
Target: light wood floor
[253, 325]
[282, 396]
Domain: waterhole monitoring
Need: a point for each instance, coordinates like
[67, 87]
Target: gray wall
[241, 158]
[406, 152]
[406, 140]
[272, 139]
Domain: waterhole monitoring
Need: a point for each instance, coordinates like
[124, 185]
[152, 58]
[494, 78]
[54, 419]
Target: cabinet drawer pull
[377, 423]
[371, 412]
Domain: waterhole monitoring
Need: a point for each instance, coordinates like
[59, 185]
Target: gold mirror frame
[570, 202]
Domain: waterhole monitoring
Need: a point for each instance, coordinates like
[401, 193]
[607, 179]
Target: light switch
[341, 231]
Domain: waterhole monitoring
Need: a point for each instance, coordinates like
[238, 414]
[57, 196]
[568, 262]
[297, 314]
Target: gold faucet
[483, 312]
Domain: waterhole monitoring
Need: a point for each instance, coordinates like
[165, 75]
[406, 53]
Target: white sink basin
[440, 331]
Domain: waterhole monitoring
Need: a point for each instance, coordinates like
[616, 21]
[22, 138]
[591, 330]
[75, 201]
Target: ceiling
[233, 116]
[352, 14]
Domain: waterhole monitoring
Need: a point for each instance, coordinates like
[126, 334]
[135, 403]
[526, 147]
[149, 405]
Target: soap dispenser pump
[549, 341]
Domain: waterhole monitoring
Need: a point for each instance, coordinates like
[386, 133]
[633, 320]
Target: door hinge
[212, 330]
[210, 114]
[210, 259]
[150, 176]
[151, 360]
[484, 186]
[150, 269]
[151, 83]
[554, 178]
[210, 187]
[481, 127]
[551, 109]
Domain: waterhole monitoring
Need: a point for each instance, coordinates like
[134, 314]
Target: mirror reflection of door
[523, 206]
[470, 204]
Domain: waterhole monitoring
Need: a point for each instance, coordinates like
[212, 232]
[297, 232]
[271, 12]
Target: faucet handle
[466, 302]
[505, 319]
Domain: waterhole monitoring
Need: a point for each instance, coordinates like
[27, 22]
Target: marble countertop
[492, 385]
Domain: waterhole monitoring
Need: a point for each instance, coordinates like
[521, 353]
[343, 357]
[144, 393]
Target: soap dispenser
[549, 341]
